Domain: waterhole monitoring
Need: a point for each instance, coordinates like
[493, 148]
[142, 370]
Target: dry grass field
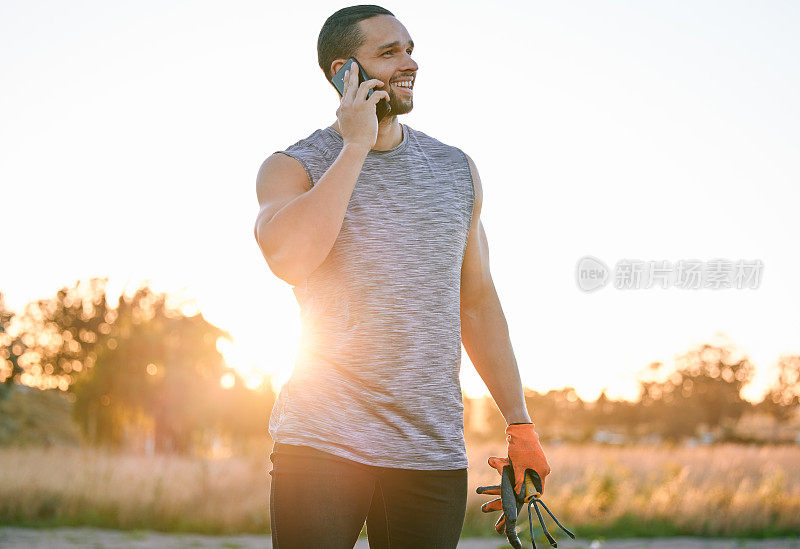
[596, 491]
[722, 490]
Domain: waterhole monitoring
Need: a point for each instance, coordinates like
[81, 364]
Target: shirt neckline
[400, 147]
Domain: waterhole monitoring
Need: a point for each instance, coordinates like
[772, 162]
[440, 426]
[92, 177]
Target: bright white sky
[132, 132]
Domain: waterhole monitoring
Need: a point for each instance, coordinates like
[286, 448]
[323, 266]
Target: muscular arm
[296, 226]
[484, 330]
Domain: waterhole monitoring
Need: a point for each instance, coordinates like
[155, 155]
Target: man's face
[386, 55]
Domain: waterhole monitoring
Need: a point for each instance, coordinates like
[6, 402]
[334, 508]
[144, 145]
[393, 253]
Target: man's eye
[384, 53]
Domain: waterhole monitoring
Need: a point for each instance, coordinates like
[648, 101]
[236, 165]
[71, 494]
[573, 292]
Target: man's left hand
[524, 452]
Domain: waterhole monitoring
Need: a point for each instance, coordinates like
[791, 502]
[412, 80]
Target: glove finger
[498, 463]
[491, 506]
[500, 525]
[491, 490]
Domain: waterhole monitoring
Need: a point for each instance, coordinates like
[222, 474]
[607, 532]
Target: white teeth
[405, 83]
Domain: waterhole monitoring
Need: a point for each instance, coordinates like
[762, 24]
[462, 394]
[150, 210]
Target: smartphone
[382, 108]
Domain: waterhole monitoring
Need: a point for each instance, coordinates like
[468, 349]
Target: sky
[132, 133]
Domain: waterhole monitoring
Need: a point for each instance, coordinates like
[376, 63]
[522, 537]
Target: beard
[400, 104]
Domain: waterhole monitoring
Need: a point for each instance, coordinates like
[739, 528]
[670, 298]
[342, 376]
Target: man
[377, 228]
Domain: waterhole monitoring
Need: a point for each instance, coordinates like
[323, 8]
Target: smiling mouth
[407, 84]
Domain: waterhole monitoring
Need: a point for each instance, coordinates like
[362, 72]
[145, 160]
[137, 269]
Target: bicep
[476, 278]
[280, 180]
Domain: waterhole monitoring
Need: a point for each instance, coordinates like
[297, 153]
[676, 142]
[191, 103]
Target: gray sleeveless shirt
[376, 376]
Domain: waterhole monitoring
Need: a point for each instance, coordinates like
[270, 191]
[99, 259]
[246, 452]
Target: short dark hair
[341, 35]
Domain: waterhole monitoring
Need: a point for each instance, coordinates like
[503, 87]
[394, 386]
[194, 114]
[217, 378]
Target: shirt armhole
[311, 181]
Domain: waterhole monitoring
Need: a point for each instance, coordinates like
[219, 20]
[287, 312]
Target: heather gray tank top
[376, 378]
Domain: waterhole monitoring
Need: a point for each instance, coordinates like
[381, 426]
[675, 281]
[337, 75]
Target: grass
[726, 490]
[595, 491]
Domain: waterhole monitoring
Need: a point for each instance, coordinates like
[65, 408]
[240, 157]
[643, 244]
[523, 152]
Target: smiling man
[376, 226]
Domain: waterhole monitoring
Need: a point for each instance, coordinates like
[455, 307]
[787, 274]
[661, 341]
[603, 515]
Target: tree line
[142, 367]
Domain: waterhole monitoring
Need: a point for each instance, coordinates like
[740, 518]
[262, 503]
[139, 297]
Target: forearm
[484, 332]
[298, 238]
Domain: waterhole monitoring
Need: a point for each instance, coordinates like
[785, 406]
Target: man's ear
[335, 66]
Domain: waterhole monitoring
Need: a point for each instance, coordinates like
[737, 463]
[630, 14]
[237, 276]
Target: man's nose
[410, 64]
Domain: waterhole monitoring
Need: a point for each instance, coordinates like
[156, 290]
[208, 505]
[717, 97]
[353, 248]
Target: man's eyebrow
[393, 44]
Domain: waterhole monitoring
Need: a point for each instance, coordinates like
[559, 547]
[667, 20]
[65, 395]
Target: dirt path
[73, 538]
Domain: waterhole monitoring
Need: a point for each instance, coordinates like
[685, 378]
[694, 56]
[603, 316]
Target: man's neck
[390, 133]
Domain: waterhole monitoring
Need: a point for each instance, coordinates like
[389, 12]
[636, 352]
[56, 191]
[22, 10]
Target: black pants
[318, 499]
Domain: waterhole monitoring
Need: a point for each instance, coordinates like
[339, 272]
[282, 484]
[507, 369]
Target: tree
[12, 347]
[704, 389]
[155, 368]
[140, 369]
[783, 397]
[54, 338]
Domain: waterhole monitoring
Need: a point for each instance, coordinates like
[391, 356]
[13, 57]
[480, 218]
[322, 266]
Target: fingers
[361, 95]
[500, 525]
[345, 84]
[377, 96]
[498, 463]
[493, 490]
[491, 506]
[353, 92]
[350, 82]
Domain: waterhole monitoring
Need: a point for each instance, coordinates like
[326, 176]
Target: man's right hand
[357, 120]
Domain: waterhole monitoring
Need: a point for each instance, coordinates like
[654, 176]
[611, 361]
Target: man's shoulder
[313, 140]
[319, 147]
[429, 142]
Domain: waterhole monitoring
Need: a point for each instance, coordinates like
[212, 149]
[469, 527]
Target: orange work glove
[524, 452]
